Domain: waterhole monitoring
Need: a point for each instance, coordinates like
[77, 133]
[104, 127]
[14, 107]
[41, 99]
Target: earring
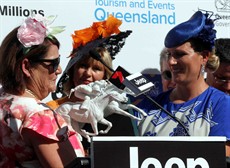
[202, 69]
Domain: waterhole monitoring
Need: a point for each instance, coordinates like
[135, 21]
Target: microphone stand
[94, 54]
[167, 112]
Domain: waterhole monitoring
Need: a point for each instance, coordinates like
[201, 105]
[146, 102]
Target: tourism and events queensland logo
[222, 5]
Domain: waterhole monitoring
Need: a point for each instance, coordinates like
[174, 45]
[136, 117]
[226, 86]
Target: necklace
[31, 93]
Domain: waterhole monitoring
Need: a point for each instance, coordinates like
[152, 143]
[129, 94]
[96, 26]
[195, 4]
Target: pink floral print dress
[18, 112]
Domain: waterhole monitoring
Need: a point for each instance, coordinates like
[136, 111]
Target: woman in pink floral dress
[31, 134]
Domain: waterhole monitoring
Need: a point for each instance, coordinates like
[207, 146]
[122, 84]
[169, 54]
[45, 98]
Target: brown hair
[213, 60]
[12, 52]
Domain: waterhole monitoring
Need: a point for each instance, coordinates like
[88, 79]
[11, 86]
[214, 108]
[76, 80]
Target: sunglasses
[53, 62]
[167, 75]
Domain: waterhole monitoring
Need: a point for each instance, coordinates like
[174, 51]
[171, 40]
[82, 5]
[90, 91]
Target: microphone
[140, 85]
[136, 83]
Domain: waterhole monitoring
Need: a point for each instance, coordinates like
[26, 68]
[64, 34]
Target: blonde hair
[213, 62]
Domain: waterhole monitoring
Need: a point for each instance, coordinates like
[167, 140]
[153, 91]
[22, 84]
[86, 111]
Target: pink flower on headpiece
[31, 32]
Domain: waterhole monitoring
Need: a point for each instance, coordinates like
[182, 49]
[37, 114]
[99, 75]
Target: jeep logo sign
[158, 152]
[190, 162]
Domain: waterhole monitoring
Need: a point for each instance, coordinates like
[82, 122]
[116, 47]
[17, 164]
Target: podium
[157, 152]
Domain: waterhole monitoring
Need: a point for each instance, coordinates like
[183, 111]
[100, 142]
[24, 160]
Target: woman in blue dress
[192, 108]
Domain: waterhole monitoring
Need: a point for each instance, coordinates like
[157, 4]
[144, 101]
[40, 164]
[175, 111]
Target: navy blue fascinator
[200, 26]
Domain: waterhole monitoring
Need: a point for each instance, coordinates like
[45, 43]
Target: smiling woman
[203, 110]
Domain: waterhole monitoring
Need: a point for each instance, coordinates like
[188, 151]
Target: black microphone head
[117, 78]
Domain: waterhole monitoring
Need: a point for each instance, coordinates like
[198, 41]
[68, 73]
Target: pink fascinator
[34, 30]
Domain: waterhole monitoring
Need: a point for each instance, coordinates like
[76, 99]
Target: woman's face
[87, 72]
[45, 74]
[185, 64]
